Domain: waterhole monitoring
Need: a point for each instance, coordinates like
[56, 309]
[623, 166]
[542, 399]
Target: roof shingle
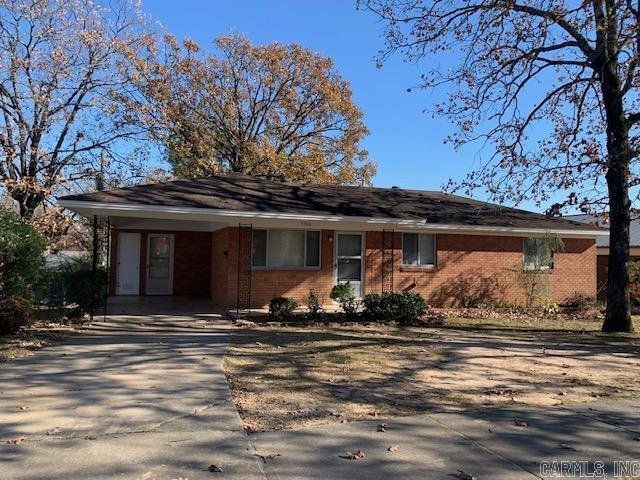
[246, 193]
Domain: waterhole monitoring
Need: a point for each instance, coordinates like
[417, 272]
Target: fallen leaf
[464, 475]
[353, 455]
[521, 423]
[16, 441]
[382, 427]
[393, 448]
[271, 456]
[53, 431]
[564, 446]
[216, 468]
[23, 407]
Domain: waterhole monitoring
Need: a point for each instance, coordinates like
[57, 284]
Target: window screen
[418, 249]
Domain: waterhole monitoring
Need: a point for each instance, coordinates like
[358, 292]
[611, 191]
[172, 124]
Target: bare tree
[62, 78]
[553, 87]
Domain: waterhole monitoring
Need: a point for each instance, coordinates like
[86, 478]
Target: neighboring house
[242, 240]
[602, 244]
[62, 258]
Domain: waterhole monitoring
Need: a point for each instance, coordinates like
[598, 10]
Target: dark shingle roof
[246, 193]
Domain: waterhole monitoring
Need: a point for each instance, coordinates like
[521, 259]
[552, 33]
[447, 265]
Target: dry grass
[287, 377]
[35, 337]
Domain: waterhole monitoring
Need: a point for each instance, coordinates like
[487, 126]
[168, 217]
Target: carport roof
[243, 193]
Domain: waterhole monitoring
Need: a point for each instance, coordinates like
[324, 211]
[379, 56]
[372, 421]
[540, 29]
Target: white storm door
[128, 268]
[159, 264]
[349, 264]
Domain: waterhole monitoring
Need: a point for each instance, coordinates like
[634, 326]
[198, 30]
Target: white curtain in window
[427, 250]
[286, 248]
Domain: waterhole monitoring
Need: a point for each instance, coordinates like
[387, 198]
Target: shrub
[21, 248]
[14, 313]
[634, 282]
[377, 307]
[579, 302]
[75, 279]
[343, 294]
[550, 307]
[314, 305]
[405, 307]
[281, 308]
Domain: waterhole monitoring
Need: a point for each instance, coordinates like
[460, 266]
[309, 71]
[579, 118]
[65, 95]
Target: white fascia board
[263, 219]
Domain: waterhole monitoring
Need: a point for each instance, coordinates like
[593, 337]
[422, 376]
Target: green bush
[314, 305]
[14, 313]
[550, 307]
[21, 249]
[281, 308]
[75, 279]
[405, 307]
[344, 294]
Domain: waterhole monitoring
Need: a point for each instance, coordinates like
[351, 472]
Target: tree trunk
[27, 206]
[618, 314]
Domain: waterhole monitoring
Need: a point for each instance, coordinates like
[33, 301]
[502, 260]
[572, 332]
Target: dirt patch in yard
[288, 377]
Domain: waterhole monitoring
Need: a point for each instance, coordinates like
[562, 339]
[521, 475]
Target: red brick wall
[265, 284]
[191, 265]
[481, 269]
[220, 281]
[296, 283]
[472, 268]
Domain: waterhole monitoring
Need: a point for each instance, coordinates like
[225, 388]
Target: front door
[128, 268]
[160, 264]
[349, 265]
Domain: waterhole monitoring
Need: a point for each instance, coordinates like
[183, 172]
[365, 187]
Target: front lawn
[287, 377]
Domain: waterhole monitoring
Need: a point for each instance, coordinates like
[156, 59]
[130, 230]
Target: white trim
[211, 214]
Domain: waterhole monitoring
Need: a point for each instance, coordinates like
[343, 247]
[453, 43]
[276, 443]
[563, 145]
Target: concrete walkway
[487, 445]
[138, 397]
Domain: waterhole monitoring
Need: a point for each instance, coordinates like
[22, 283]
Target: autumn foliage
[275, 110]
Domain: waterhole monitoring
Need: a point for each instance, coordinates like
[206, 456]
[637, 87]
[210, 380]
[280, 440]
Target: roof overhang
[310, 220]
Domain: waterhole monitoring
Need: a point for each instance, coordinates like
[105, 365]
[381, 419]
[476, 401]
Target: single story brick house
[241, 240]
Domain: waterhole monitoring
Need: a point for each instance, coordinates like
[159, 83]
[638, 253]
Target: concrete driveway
[499, 444]
[139, 397]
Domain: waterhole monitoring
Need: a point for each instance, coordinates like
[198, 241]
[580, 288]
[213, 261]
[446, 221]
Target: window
[537, 254]
[278, 248]
[419, 249]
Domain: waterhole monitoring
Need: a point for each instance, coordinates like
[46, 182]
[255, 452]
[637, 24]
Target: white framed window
[281, 248]
[537, 254]
[418, 250]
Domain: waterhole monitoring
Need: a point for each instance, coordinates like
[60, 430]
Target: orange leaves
[278, 110]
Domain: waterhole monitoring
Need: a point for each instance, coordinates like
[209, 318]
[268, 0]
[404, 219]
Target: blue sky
[406, 143]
